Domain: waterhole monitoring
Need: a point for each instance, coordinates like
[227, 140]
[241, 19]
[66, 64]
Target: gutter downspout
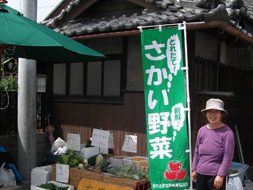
[215, 24]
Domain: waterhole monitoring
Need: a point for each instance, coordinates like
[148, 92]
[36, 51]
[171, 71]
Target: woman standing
[214, 149]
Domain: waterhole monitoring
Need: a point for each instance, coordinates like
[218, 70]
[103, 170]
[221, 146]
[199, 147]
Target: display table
[75, 175]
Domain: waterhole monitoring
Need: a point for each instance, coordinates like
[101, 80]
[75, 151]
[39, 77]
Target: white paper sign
[111, 141]
[73, 141]
[62, 173]
[130, 143]
[102, 139]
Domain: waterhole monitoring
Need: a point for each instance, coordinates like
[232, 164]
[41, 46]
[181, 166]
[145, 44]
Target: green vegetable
[114, 170]
[103, 163]
[136, 176]
[126, 168]
[52, 186]
[71, 152]
[73, 161]
[65, 158]
[145, 174]
[70, 159]
[232, 171]
[92, 159]
[80, 165]
[129, 172]
[88, 143]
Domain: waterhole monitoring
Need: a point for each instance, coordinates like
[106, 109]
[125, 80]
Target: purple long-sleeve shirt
[214, 151]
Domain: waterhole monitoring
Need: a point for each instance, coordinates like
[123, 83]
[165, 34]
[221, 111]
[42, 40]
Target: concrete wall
[10, 144]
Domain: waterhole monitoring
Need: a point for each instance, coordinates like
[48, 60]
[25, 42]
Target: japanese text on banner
[165, 108]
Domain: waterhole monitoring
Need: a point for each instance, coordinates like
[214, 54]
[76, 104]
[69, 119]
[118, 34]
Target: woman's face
[214, 116]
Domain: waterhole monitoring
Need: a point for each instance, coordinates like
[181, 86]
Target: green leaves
[9, 84]
[70, 159]
[52, 186]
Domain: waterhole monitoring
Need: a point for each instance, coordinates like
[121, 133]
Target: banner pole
[166, 103]
[188, 101]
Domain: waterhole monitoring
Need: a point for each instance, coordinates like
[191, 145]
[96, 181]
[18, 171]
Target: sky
[44, 7]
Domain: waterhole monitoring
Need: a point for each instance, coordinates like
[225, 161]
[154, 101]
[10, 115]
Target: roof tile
[168, 11]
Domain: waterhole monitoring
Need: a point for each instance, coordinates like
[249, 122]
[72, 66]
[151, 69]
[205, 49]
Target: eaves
[197, 26]
[236, 20]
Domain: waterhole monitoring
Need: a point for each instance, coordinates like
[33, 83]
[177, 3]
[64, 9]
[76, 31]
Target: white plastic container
[103, 150]
[138, 162]
[88, 152]
[41, 175]
[71, 187]
[240, 168]
[117, 161]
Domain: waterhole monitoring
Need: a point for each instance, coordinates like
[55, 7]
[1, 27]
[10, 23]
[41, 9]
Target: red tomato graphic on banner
[174, 166]
[181, 174]
[174, 171]
[170, 175]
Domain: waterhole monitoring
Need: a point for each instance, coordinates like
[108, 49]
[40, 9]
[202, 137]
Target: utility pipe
[27, 142]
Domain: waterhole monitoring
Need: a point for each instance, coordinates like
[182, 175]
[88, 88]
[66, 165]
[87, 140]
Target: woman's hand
[218, 181]
[194, 174]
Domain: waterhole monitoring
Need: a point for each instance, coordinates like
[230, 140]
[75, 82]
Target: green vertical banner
[164, 91]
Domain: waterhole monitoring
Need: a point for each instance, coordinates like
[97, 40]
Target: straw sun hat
[215, 104]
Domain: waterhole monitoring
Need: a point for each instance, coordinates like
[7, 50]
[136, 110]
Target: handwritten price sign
[111, 141]
[130, 143]
[62, 173]
[73, 141]
[102, 138]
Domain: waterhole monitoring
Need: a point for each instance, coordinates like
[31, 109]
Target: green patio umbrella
[21, 37]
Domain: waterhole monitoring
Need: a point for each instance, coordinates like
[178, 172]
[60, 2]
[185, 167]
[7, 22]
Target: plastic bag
[59, 146]
[7, 177]
[10, 163]
[235, 184]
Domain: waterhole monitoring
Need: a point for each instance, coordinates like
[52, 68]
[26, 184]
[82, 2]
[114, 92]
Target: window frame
[67, 97]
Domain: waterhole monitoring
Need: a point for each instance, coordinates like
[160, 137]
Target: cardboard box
[41, 175]
[71, 187]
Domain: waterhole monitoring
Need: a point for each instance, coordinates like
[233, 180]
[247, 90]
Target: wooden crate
[75, 175]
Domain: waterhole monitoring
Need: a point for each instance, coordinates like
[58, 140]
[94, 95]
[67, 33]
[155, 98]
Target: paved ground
[248, 187]
[24, 185]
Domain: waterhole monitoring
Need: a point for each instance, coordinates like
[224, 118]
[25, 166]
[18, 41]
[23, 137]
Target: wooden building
[109, 94]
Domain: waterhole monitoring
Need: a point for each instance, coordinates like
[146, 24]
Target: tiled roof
[237, 13]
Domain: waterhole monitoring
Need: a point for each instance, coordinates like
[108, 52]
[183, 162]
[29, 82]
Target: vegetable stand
[76, 174]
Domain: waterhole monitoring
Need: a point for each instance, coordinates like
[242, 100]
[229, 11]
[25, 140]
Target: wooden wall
[245, 113]
[128, 118]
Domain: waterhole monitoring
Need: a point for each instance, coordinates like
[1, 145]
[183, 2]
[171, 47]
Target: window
[94, 78]
[59, 82]
[76, 79]
[93, 81]
[41, 83]
[112, 78]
